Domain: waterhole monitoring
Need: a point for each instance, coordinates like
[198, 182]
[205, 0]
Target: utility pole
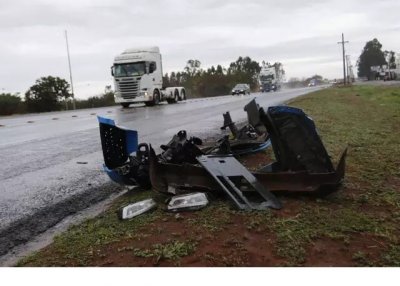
[70, 72]
[344, 60]
[348, 68]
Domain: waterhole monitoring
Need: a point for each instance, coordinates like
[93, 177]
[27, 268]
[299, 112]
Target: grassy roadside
[358, 225]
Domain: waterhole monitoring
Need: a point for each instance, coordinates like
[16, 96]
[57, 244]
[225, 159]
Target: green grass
[364, 118]
[172, 250]
[80, 243]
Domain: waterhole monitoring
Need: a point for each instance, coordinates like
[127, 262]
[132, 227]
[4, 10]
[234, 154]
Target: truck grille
[129, 88]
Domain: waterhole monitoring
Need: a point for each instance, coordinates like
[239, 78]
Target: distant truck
[138, 77]
[269, 79]
[313, 82]
[383, 73]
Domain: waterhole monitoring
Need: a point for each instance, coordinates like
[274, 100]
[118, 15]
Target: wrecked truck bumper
[173, 178]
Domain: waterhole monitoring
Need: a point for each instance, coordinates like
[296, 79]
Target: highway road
[51, 164]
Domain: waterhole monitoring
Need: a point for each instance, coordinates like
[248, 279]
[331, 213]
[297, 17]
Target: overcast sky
[303, 35]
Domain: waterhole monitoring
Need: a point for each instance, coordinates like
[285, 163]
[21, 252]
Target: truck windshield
[266, 77]
[130, 69]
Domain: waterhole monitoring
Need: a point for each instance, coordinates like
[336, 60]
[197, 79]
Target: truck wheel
[125, 105]
[175, 99]
[183, 95]
[156, 99]
[176, 96]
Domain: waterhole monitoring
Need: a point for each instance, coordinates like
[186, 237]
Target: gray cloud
[301, 34]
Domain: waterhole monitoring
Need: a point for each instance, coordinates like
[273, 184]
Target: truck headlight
[132, 210]
[194, 201]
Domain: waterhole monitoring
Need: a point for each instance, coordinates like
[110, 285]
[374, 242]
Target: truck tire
[156, 99]
[175, 99]
[125, 105]
[183, 95]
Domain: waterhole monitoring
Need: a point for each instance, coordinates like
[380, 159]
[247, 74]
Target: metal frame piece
[253, 116]
[229, 123]
[235, 180]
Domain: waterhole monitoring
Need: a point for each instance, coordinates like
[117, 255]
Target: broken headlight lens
[135, 209]
[194, 201]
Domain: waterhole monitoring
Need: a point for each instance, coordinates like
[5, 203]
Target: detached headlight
[135, 209]
[194, 201]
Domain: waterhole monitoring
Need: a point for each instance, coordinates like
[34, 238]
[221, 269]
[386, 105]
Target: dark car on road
[241, 88]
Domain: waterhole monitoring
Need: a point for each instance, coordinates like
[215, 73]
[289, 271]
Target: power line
[344, 60]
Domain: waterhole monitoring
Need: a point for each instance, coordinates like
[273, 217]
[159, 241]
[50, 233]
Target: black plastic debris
[181, 149]
[296, 143]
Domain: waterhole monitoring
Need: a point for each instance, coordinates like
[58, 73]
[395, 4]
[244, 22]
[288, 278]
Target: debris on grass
[302, 162]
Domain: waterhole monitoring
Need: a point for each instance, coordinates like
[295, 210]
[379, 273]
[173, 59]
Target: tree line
[50, 94]
[218, 80]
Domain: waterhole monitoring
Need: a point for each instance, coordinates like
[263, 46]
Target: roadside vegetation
[53, 93]
[50, 94]
[356, 226]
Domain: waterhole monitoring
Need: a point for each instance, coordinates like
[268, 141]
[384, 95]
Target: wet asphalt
[51, 164]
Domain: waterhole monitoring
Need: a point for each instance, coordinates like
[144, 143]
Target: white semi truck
[270, 78]
[138, 77]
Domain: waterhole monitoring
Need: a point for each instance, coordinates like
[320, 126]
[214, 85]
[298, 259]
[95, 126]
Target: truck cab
[268, 79]
[138, 78]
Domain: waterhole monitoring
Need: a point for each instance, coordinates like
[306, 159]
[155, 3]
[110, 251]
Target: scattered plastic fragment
[135, 209]
[189, 202]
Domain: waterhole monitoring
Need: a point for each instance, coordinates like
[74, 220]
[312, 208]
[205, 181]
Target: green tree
[166, 81]
[372, 55]
[244, 70]
[219, 70]
[192, 67]
[9, 103]
[46, 94]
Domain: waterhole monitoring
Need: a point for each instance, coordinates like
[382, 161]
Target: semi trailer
[138, 78]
